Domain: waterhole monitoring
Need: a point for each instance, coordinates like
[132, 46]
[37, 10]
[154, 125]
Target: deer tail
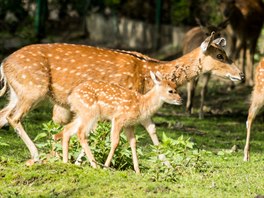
[3, 82]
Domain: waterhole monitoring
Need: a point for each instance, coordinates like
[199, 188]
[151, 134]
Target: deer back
[61, 67]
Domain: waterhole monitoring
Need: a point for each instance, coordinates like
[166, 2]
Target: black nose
[242, 75]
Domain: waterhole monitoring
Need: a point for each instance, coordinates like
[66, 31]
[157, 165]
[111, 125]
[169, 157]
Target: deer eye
[220, 57]
[170, 91]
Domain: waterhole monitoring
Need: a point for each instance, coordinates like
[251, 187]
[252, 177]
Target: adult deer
[94, 100]
[257, 102]
[246, 19]
[37, 71]
[193, 38]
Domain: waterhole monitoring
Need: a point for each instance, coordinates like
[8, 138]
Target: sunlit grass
[226, 176]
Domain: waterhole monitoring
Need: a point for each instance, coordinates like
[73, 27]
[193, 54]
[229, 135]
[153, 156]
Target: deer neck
[184, 68]
[149, 103]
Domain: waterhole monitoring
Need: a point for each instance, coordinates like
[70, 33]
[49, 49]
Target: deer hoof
[30, 162]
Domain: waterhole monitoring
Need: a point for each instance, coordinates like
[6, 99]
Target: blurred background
[154, 27]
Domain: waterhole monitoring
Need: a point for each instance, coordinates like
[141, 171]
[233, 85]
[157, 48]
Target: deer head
[216, 61]
[167, 89]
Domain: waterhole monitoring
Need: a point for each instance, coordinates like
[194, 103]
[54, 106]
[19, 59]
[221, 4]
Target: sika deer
[94, 100]
[257, 102]
[37, 71]
[246, 20]
[193, 38]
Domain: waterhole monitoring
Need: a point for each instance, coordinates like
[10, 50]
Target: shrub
[182, 155]
[99, 141]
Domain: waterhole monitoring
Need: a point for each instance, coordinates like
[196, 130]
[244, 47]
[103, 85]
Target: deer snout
[179, 101]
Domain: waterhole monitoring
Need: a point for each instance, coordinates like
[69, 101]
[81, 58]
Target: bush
[182, 155]
[99, 141]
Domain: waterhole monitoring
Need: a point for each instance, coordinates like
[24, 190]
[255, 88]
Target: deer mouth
[177, 102]
[234, 78]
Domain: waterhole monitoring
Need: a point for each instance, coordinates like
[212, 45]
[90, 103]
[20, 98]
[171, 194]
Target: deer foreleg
[191, 86]
[253, 110]
[206, 78]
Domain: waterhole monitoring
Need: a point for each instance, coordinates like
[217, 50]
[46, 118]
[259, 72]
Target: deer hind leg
[69, 130]
[191, 86]
[82, 134]
[22, 100]
[206, 78]
[130, 133]
[115, 136]
[257, 103]
[14, 118]
[7, 110]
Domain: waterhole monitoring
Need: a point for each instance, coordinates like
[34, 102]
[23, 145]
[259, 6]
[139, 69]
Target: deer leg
[191, 86]
[82, 153]
[206, 78]
[115, 136]
[253, 110]
[7, 110]
[233, 47]
[130, 133]
[83, 140]
[150, 127]
[250, 62]
[14, 119]
[69, 130]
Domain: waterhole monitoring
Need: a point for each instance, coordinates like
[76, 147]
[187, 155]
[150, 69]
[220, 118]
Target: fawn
[38, 71]
[94, 100]
[257, 102]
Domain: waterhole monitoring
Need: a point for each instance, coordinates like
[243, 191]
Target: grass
[225, 176]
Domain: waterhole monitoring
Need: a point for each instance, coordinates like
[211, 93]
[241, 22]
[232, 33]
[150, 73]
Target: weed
[182, 155]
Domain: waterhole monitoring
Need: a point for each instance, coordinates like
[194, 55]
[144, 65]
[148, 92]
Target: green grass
[225, 176]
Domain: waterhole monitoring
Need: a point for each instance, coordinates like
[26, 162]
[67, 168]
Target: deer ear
[155, 78]
[159, 76]
[220, 41]
[207, 42]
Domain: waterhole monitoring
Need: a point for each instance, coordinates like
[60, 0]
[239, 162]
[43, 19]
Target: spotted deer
[38, 71]
[94, 100]
[246, 19]
[257, 102]
[193, 38]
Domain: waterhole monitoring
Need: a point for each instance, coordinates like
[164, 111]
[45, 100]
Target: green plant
[100, 144]
[182, 156]
[99, 141]
[45, 142]
[3, 143]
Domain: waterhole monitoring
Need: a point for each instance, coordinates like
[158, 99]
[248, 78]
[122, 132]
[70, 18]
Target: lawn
[222, 134]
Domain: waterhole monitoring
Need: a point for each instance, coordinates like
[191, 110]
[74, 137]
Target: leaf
[40, 136]
[4, 144]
